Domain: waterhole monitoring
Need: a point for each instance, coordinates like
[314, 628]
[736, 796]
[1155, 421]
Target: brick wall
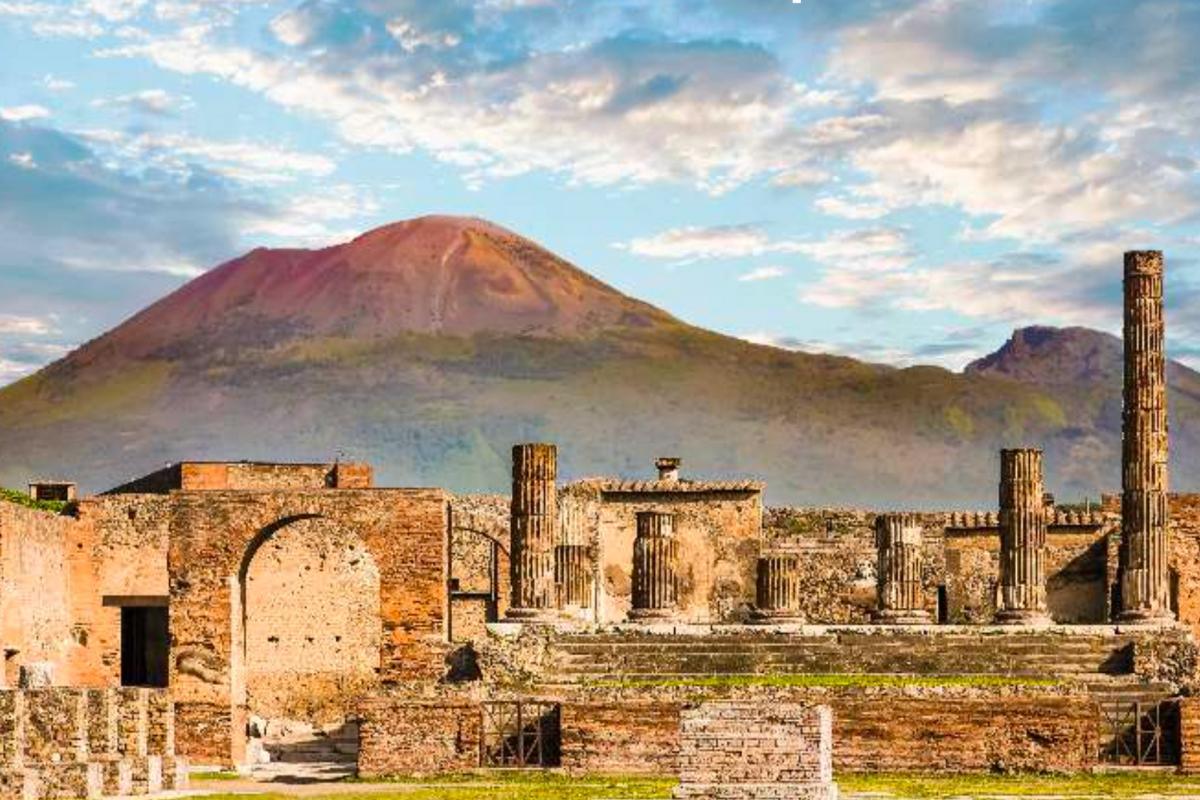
[636, 729]
[402, 737]
[744, 751]
[213, 537]
[35, 598]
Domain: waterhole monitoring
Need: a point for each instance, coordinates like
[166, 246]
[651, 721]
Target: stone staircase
[648, 656]
[296, 752]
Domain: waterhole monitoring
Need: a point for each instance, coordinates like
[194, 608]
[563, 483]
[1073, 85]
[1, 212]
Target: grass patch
[861, 680]
[215, 775]
[502, 785]
[1104, 784]
[23, 499]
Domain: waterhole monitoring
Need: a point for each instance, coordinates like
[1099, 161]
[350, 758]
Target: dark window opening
[144, 646]
[521, 734]
[943, 606]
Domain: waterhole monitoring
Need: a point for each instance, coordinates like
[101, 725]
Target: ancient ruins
[295, 612]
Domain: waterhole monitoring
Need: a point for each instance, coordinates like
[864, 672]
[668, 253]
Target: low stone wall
[635, 729]
[403, 737]
[1189, 735]
[748, 751]
[85, 743]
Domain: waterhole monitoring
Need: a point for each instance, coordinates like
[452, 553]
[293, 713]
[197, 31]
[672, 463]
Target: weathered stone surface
[1144, 577]
[1022, 539]
[655, 567]
[534, 530]
[898, 579]
[752, 751]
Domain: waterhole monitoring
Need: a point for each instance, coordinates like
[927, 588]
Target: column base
[1145, 616]
[1024, 617]
[652, 614]
[910, 616]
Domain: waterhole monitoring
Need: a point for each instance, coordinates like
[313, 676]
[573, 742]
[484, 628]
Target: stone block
[737, 750]
[70, 781]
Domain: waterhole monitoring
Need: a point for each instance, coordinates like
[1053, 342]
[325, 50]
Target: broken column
[777, 595]
[655, 566]
[1022, 539]
[898, 582]
[533, 524]
[1142, 563]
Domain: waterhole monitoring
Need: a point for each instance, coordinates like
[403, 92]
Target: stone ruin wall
[84, 743]
[404, 531]
[838, 562]
[718, 540]
[35, 597]
[950, 729]
[838, 557]
[311, 623]
[751, 751]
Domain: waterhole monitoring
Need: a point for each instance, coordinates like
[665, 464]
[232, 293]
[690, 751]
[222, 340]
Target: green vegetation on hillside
[23, 499]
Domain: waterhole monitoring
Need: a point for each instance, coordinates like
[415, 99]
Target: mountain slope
[429, 346]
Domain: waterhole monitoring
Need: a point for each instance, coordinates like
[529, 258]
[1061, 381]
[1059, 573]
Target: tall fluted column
[898, 582]
[655, 566]
[1022, 539]
[777, 596]
[534, 526]
[1144, 575]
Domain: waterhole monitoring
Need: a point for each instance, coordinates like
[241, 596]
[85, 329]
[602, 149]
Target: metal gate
[520, 734]
[1140, 734]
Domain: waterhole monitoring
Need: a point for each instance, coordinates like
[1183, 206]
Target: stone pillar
[777, 595]
[1022, 539]
[655, 567]
[573, 575]
[1144, 576]
[534, 528]
[898, 583]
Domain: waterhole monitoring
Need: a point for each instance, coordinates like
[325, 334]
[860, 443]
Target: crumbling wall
[400, 736]
[635, 729]
[479, 563]
[35, 597]
[719, 541]
[960, 560]
[213, 536]
[67, 742]
[312, 622]
[118, 558]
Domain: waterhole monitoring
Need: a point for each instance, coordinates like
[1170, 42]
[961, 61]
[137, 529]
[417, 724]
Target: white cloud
[114, 10]
[56, 84]
[762, 274]
[850, 209]
[692, 243]
[715, 114]
[68, 29]
[150, 101]
[245, 161]
[23, 160]
[23, 113]
[29, 326]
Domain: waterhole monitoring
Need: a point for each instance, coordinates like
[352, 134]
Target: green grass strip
[857, 680]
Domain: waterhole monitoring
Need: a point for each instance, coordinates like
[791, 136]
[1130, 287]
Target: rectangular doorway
[145, 642]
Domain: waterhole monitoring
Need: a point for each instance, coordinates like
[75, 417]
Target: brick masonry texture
[636, 729]
[747, 751]
[85, 743]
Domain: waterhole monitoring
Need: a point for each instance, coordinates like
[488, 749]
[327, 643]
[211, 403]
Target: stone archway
[310, 621]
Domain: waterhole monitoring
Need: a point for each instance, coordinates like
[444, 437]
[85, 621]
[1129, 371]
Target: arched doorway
[310, 621]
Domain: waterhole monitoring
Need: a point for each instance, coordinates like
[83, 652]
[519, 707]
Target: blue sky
[900, 180]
